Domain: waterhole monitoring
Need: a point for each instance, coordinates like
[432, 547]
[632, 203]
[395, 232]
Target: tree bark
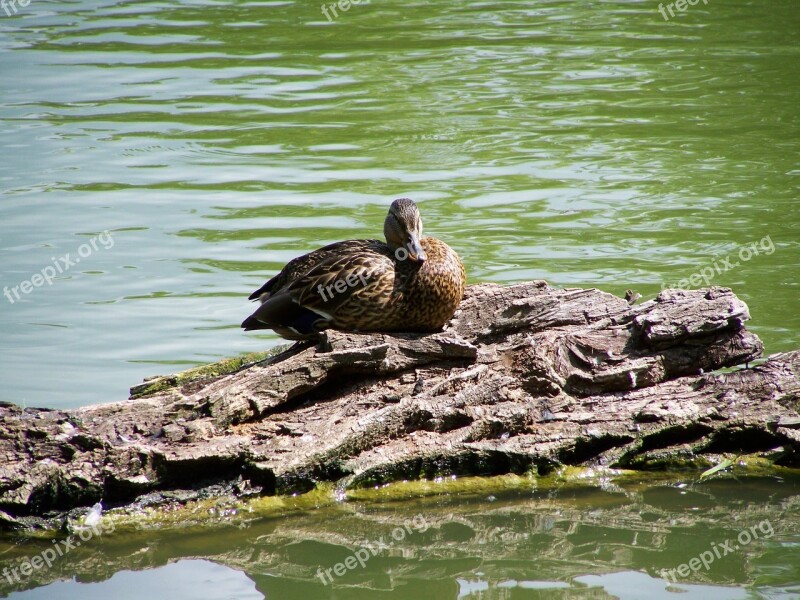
[524, 378]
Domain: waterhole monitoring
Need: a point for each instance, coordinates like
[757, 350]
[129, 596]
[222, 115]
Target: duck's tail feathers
[283, 314]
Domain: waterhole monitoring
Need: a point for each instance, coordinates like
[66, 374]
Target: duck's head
[403, 229]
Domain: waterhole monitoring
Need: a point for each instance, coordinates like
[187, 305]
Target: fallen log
[524, 379]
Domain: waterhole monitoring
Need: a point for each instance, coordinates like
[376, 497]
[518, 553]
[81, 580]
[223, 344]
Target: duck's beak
[414, 247]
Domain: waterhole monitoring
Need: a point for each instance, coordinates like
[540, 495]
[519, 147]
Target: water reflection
[188, 578]
[568, 541]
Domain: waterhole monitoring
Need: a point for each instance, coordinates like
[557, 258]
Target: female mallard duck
[410, 283]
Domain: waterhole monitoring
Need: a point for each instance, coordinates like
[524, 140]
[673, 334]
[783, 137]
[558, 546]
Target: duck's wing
[299, 306]
[366, 274]
[299, 266]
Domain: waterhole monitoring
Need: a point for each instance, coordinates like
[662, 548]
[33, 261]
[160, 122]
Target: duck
[408, 283]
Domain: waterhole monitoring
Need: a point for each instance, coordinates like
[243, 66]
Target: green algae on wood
[201, 374]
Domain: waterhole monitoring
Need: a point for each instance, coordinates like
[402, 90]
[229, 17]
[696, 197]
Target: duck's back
[300, 266]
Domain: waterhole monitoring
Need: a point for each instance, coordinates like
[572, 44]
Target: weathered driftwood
[524, 378]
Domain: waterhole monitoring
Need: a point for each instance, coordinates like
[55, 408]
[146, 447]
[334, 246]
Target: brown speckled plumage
[406, 284]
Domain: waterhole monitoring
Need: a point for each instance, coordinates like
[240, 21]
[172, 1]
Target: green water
[585, 143]
[617, 539]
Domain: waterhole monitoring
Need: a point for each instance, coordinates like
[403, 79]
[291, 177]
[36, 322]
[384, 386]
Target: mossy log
[524, 379]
